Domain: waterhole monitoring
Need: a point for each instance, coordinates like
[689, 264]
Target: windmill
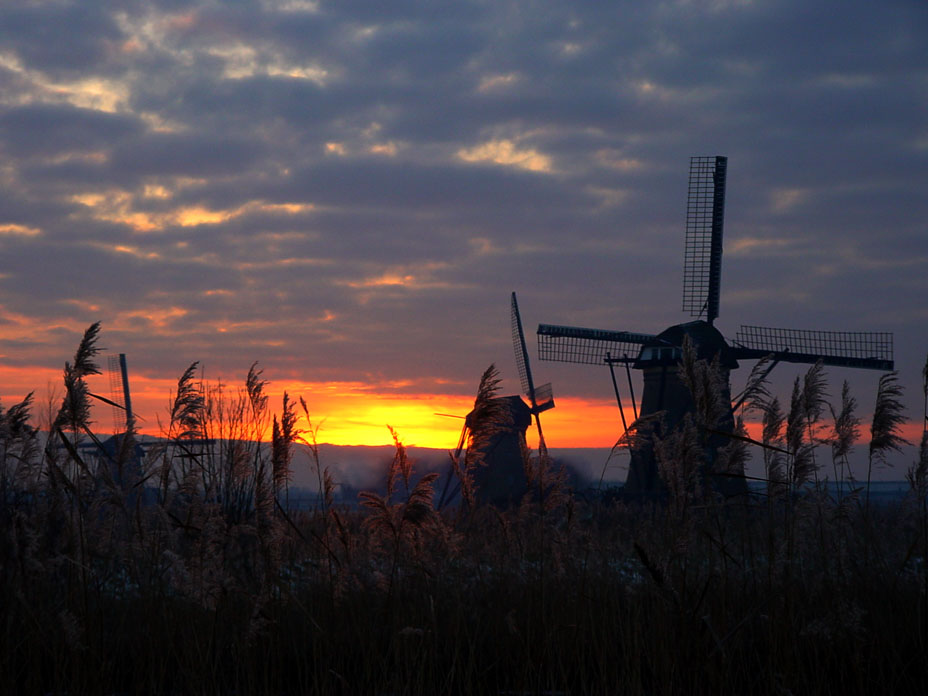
[499, 442]
[665, 400]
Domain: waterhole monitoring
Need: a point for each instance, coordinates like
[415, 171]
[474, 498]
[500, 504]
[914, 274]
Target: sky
[348, 192]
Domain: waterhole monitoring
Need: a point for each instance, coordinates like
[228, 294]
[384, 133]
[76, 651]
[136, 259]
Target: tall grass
[188, 573]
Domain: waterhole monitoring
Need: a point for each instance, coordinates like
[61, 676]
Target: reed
[213, 585]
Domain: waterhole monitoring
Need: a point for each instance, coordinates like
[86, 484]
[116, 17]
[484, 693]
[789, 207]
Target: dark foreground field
[180, 570]
[808, 598]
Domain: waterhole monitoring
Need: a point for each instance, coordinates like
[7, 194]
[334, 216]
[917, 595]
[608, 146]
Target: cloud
[349, 191]
[506, 153]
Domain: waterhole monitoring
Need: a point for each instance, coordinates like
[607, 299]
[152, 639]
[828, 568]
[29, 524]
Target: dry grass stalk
[705, 382]
[800, 467]
[846, 432]
[284, 434]
[888, 417]
[757, 392]
[772, 438]
[621, 600]
[680, 460]
[484, 421]
[74, 414]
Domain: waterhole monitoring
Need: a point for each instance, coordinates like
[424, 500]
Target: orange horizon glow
[352, 413]
[345, 413]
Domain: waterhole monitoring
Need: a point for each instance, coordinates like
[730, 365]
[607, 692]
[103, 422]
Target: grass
[210, 585]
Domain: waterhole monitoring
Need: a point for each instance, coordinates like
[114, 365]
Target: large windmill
[665, 401]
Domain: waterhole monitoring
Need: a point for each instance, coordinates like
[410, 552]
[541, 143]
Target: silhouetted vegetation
[183, 570]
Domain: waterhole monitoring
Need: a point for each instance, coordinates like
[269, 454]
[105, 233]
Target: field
[182, 570]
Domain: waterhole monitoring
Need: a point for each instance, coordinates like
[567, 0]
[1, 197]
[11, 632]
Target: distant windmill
[658, 356]
[500, 479]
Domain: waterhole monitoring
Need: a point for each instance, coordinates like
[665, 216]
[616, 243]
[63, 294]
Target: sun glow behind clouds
[119, 206]
[346, 413]
[506, 153]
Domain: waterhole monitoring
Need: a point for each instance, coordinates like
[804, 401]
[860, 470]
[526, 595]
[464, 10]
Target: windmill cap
[517, 414]
[708, 341]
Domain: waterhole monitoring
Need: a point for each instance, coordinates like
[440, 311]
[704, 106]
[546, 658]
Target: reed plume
[283, 436]
[888, 417]
[846, 431]
[188, 407]
[771, 436]
[484, 421]
[400, 526]
[918, 472]
[814, 401]
[705, 382]
[757, 392]
[801, 462]
[74, 414]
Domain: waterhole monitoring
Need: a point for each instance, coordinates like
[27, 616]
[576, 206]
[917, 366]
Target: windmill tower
[123, 453]
[665, 399]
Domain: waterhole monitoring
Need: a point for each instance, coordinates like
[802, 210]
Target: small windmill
[500, 478]
[665, 400]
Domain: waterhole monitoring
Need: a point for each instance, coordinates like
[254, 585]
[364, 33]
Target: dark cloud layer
[349, 190]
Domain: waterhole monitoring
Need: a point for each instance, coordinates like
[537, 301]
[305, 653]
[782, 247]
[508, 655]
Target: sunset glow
[349, 193]
[345, 413]
[342, 413]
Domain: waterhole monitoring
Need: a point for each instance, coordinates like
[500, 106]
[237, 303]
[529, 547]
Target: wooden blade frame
[702, 256]
[573, 344]
[863, 349]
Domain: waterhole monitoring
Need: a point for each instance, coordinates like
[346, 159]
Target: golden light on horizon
[348, 413]
[344, 413]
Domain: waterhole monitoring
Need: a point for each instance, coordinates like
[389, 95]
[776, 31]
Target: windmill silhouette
[500, 479]
[665, 400]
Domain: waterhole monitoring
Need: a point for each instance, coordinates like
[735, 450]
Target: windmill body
[499, 444]
[500, 476]
[666, 401]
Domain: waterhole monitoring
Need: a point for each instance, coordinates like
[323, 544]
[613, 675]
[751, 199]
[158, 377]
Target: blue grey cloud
[353, 188]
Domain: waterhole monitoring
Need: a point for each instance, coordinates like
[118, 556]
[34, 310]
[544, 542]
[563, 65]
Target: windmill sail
[705, 215]
[119, 391]
[573, 344]
[540, 398]
[865, 349]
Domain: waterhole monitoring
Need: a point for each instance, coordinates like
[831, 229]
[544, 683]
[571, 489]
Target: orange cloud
[507, 153]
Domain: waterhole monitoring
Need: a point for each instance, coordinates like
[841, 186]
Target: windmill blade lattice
[518, 345]
[705, 216]
[573, 344]
[540, 398]
[865, 349]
